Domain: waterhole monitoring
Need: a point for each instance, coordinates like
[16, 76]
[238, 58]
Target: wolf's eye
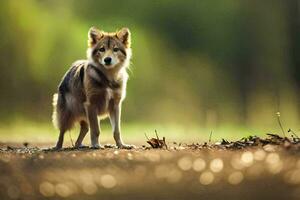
[116, 49]
[102, 49]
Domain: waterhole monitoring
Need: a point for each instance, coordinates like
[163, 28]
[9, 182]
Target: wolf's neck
[117, 73]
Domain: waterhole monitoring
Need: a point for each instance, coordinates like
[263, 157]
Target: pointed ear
[125, 36]
[94, 36]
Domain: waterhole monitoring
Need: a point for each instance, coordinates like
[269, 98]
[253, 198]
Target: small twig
[156, 142]
[71, 139]
[164, 139]
[146, 136]
[210, 135]
[159, 142]
[279, 122]
[156, 134]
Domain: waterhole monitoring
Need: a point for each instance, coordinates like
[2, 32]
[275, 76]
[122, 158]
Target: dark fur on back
[64, 87]
[72, 82]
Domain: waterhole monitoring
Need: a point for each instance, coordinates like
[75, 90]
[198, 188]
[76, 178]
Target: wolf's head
[110, 50]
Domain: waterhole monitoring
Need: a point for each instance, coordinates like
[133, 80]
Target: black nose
[107, 60]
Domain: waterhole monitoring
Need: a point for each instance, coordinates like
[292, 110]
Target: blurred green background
[197, 66]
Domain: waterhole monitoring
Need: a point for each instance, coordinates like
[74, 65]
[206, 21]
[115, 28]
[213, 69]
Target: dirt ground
[195, 171]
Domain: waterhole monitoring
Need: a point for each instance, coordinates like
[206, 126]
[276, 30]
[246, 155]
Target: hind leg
[65, 122]
[83, 131]
[60, 141]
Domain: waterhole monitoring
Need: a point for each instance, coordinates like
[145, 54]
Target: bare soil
[251, 168]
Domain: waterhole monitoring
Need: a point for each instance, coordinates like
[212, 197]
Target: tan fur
[94, 88]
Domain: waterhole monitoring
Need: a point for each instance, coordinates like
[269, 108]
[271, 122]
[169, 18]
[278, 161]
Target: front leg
[91, 111]
[115, 120]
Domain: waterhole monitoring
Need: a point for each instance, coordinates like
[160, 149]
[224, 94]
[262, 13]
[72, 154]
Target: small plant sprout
[210, 135]
[280, 124]
[70, 135]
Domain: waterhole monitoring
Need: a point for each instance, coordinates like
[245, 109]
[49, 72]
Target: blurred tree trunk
[293, 11]
[262, 65]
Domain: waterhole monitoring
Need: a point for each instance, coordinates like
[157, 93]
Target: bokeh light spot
[89, 188]
[108, 181]
[216, 165]
[62, 190]
[206, 178]
[47, 189]
[199, 164]
[185, 163]
[235, 178]
[272, 158]
[247, 158]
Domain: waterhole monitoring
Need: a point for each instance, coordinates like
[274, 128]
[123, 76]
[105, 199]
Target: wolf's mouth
[108, 66]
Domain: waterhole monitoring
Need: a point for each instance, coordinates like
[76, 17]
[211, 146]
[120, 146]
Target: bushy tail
[55, 111]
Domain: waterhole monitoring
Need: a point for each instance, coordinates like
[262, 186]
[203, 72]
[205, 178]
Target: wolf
[95, 87]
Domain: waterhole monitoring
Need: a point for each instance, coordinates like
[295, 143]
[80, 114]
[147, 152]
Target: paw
[81, 146]
[110, 146]
[56, 148]
[96, 146]
[126, 146]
